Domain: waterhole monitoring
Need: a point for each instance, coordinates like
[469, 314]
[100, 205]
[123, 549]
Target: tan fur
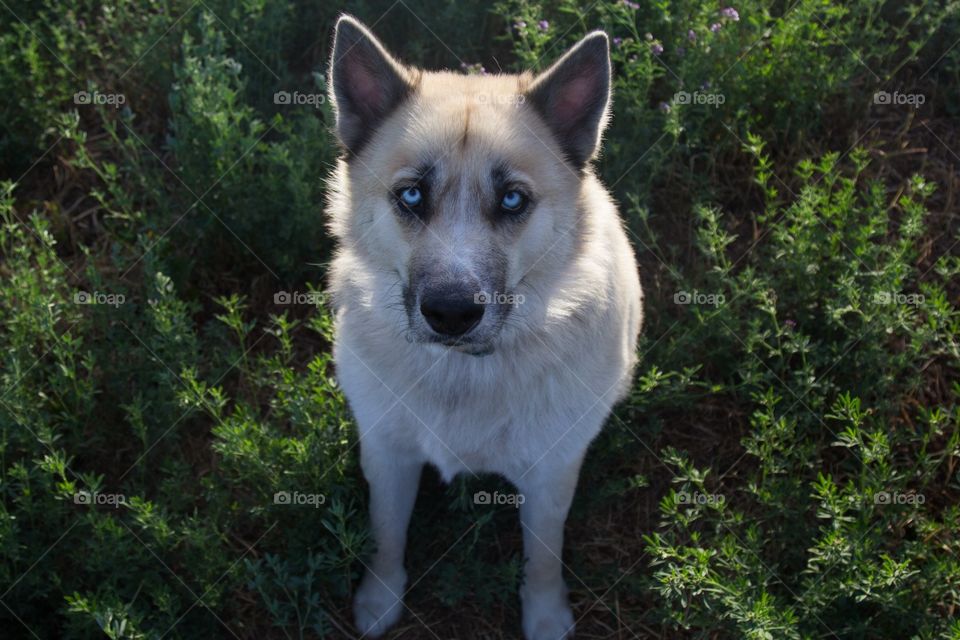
[557, 364]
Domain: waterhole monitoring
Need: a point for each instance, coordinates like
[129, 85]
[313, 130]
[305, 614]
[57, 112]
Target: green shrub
[176, 459]
[822, 334]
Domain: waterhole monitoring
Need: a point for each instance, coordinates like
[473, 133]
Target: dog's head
[466, 189]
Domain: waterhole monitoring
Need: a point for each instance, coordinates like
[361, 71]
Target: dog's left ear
[573, 97]
[366, 83]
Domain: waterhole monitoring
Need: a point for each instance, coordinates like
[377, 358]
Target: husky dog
[487, 302]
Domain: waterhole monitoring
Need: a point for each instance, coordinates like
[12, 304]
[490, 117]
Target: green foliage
[220, 142]
[176, 459]
[826, 332]
[690, 79]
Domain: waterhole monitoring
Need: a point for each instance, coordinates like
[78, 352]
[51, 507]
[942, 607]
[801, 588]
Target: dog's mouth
[467, 347]
[477, 351]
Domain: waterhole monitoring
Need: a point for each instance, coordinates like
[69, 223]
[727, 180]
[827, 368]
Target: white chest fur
[500, 413]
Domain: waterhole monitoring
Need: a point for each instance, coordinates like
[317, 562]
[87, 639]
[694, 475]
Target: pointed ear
[366, 83]
[573, 97]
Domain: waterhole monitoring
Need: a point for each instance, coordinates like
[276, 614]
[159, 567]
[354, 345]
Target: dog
[486, 298]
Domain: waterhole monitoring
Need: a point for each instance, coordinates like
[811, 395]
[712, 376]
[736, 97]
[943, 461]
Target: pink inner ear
[573, 98]
[364, 86]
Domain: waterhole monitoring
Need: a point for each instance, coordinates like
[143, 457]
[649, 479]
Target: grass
[785, 466]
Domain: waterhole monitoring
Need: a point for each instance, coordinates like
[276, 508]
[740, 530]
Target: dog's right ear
[366, 83]
[573, 97]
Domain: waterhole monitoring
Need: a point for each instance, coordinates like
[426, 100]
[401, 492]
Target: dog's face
[462, 186]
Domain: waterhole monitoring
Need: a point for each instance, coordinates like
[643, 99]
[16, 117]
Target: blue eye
[411, 196]
[513, 201]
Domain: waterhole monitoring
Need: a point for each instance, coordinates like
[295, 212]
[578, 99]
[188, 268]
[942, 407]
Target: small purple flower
[705, 86]
[664, 107]
[692, 35]
[716, 26]
[544, 25]
[632, 5]
[656, 48]
[618, 41]
[519, 25]
[790, 324]
[730, 12]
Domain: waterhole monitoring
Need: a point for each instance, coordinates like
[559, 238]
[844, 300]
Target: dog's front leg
[393, 478]
[547, 493]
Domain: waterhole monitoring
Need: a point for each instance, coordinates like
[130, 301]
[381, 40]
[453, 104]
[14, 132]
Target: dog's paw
[547, 616]
[378, 603]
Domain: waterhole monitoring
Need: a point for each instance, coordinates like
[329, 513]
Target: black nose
[451, 314]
